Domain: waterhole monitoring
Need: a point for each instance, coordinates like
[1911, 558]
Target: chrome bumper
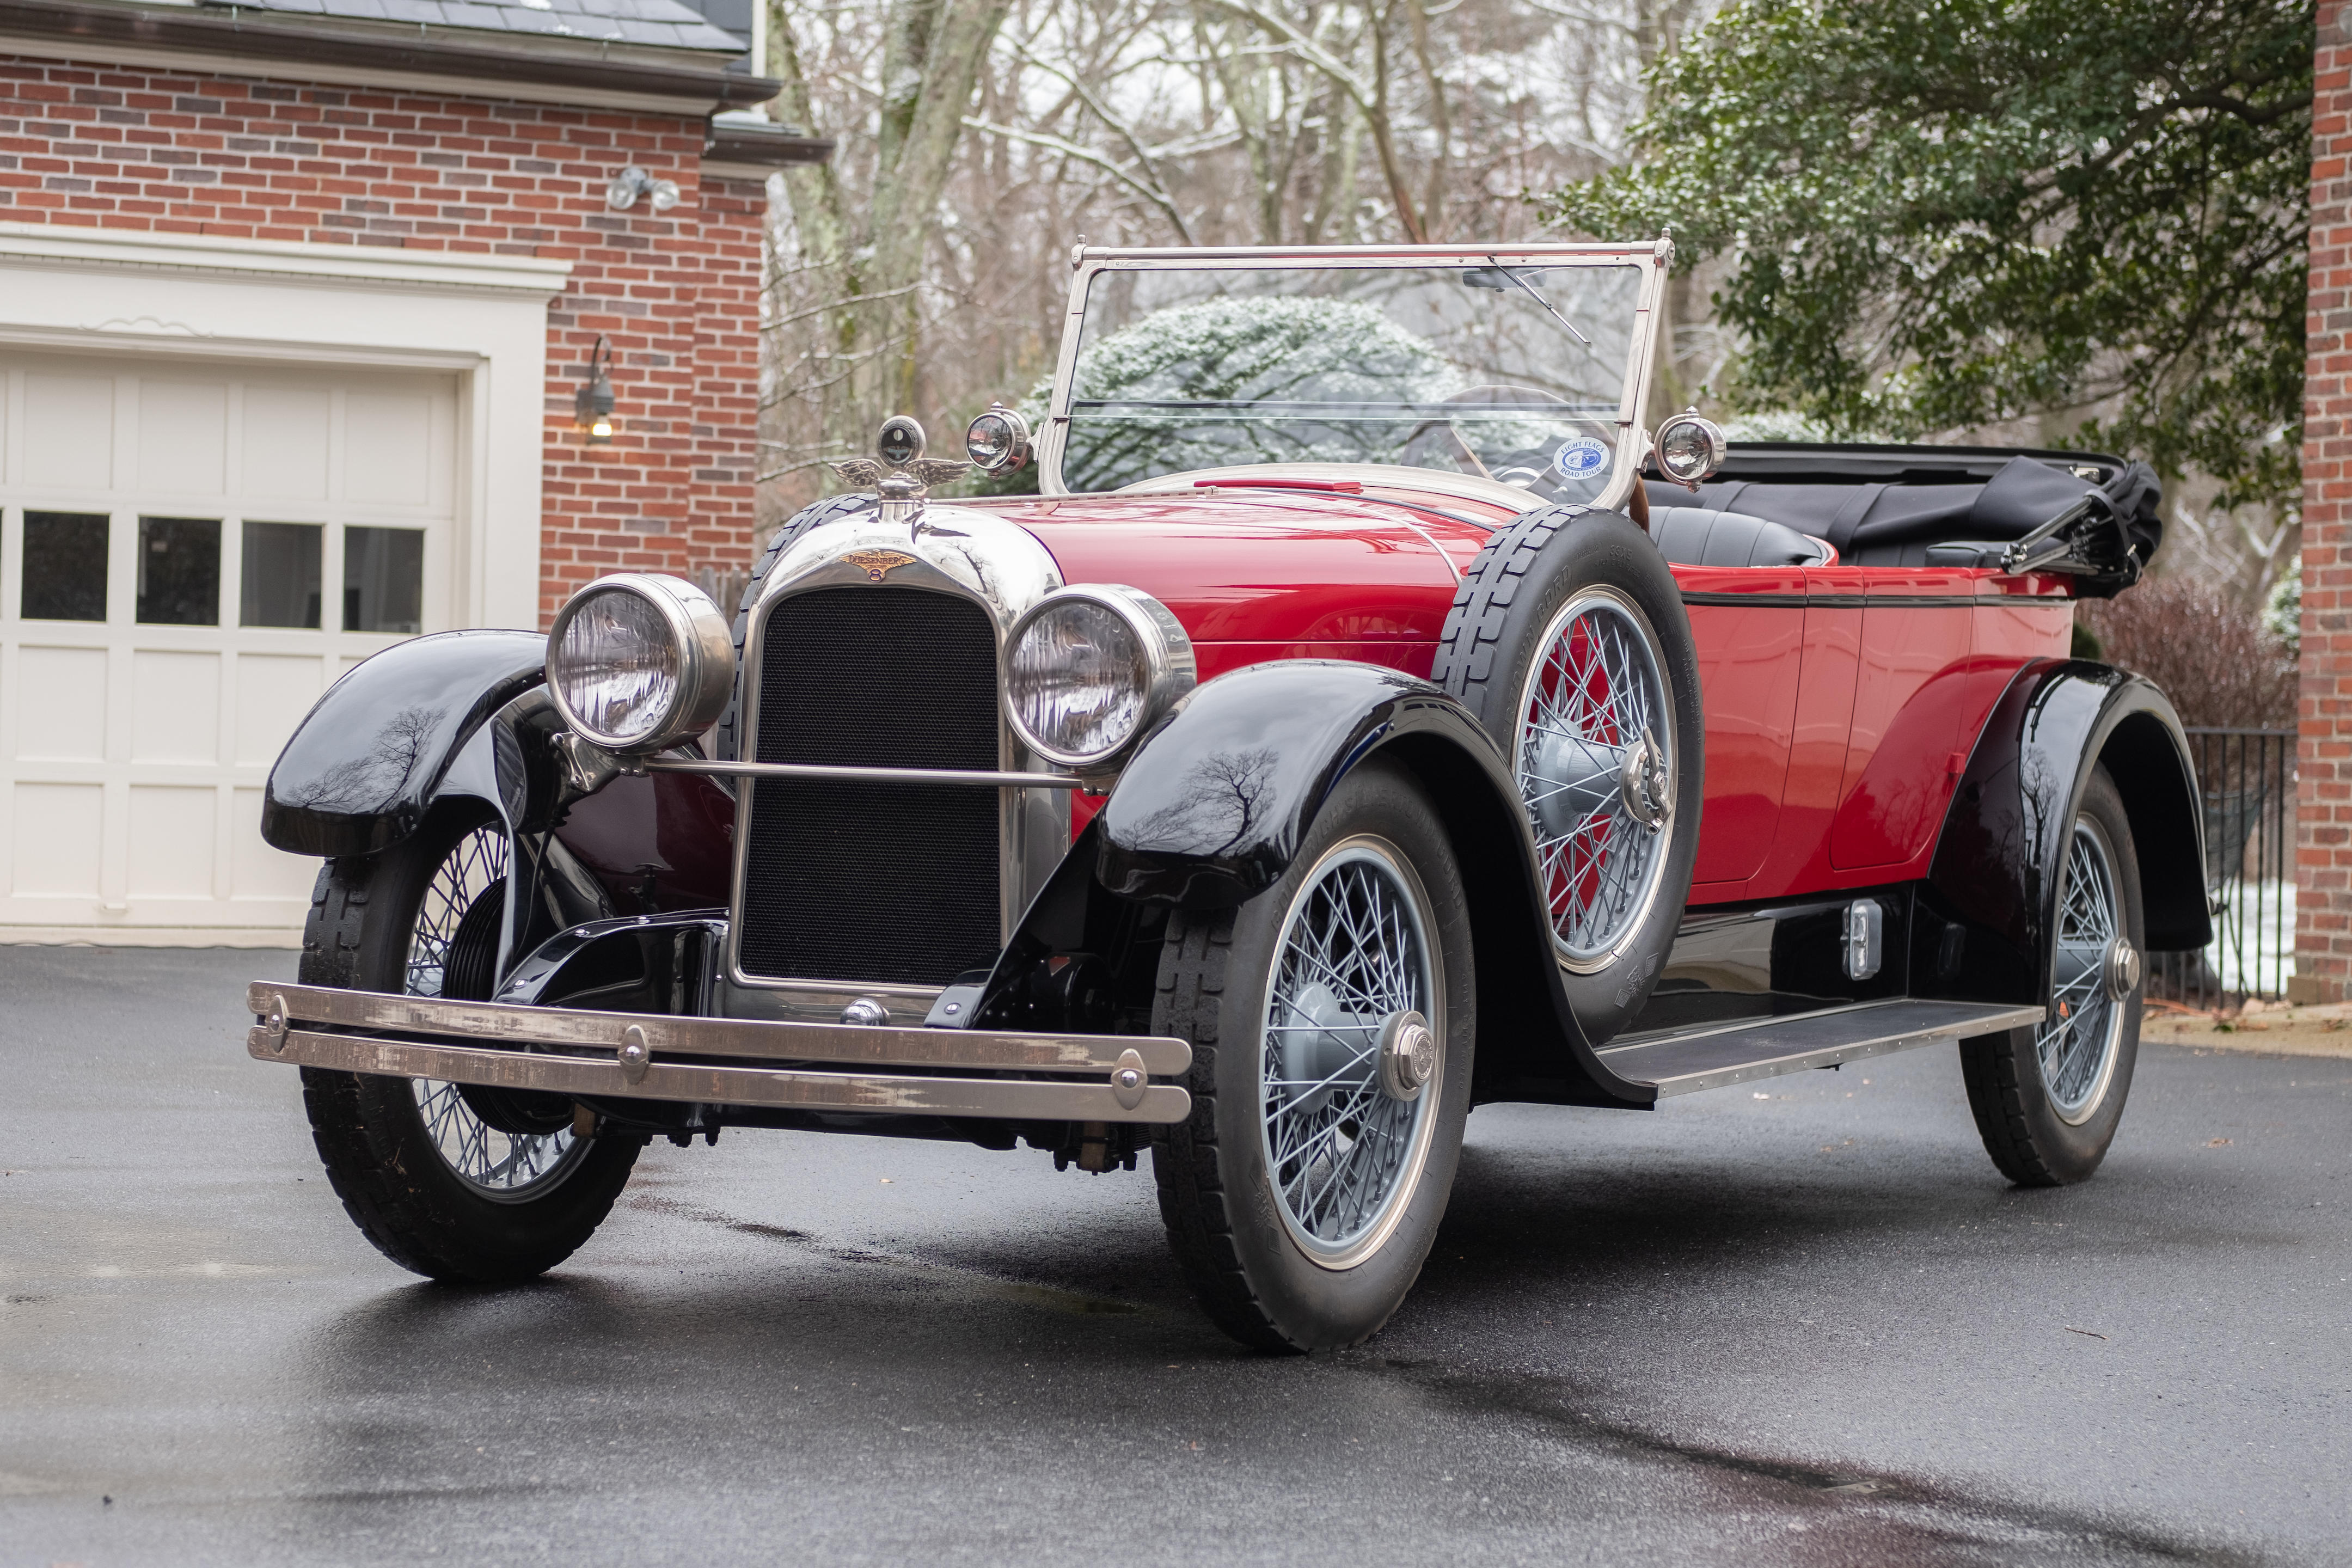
[632, 1056]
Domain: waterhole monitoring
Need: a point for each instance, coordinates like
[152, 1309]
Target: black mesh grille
[874, 883]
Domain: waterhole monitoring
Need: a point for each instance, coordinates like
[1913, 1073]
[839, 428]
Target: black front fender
[1215, 806]
[2006, 831]
[371, 753]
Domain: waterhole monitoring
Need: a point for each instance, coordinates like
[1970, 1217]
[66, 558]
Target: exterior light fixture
[632, 183]
[592, 405]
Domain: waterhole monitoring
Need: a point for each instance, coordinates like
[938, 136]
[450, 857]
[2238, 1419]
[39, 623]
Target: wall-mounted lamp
[592, 405]
[632, 183]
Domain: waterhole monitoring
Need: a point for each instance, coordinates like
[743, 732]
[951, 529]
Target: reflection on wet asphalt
[1808, 1328]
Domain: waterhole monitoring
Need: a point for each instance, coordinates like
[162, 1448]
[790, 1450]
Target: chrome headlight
[638, 661]
[1690, 448]
[1088, 670]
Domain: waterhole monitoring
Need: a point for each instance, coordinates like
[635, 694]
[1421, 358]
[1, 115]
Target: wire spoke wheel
[1344, 1152]
[2077, 1042]
[1595, 766]
[501, 1166]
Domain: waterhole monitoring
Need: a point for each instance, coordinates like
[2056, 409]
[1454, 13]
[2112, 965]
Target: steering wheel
[1519, 477]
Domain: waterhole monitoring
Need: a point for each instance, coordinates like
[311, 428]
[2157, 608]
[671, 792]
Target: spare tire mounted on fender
[1569, 640]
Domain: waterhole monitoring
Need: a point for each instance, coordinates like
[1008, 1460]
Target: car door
[1912, 693]
[1748, 624]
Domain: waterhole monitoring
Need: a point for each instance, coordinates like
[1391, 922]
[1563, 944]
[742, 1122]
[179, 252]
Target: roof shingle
[658, 24]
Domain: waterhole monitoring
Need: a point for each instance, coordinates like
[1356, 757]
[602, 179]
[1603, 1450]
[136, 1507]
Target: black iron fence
[2246, 778]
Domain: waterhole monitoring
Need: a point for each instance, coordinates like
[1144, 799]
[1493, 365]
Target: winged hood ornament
[902, 472]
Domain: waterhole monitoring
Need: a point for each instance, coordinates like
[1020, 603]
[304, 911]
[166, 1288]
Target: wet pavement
[1809, 1328]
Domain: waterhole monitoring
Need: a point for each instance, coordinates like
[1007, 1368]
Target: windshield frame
[1654, 259]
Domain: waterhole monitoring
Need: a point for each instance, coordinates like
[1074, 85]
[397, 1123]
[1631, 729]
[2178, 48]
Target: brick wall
[2323, 764]
[676, 293]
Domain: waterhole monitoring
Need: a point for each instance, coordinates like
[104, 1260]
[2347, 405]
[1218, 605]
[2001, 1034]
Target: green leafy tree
[1948, 213]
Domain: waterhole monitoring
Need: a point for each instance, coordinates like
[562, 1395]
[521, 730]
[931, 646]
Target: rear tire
[453, 1184]
[1305, 1190]
[2049, 1097]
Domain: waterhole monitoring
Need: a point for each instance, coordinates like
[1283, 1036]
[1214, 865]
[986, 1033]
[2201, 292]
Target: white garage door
[188, 556]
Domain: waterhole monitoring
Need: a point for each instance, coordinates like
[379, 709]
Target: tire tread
[1193, 1203]
[385, 1207]
[1474, 627]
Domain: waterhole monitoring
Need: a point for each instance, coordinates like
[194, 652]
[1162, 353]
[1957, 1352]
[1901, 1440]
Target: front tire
[452, 1182]
[1303, 1192]
[2048, 1098]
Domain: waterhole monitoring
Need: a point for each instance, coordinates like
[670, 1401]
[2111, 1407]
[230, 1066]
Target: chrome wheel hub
[2122, 968]
[1408, 1055]
[1348, 1049]
[1596, 772]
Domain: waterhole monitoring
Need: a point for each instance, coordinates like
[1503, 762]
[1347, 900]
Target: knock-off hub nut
[2121, 968]
[1408, 1055]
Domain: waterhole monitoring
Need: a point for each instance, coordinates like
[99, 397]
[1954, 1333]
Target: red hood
[1278, 574]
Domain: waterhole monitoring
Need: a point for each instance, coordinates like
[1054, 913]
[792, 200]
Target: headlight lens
[640, 662]
[617, 668]
[1090, 668]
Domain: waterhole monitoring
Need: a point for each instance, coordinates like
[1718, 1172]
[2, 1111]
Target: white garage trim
[125, 304]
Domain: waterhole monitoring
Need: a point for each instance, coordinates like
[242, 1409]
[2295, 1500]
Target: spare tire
[1569, 640]
[831, 509]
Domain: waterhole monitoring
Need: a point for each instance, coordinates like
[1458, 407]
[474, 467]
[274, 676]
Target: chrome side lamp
[1690, 448]
[998, 441]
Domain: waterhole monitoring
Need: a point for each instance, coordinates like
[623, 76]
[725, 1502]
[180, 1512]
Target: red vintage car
[1354, 717]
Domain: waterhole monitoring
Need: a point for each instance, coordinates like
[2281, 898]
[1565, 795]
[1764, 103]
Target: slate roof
[655, 24]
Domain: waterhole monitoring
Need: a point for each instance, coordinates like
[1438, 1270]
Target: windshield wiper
[1476, 282]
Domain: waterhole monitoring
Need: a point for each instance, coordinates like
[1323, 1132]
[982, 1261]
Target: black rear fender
[2005, 832]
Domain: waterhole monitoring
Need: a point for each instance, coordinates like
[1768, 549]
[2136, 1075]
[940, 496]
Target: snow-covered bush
[1261, 349]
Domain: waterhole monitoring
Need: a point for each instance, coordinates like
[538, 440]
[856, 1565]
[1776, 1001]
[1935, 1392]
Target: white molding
[305, 72]
[148, 338]
[714, 170]
[290, 260]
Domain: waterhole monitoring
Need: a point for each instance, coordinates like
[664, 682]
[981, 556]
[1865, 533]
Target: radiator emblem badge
[877, 561]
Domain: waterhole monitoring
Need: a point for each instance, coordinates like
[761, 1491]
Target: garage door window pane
[65, 567]
[383, 580]
[280, 585]
[179, 571]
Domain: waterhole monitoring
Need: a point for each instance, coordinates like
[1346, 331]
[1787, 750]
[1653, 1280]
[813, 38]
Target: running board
[1721, 1054]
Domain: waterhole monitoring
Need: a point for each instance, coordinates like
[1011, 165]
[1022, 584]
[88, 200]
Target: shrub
[2213, 656]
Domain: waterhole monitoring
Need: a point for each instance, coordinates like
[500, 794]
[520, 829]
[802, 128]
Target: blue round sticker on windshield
[1581, 458]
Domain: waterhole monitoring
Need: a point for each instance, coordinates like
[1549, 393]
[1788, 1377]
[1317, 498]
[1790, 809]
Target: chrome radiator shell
[966, 553]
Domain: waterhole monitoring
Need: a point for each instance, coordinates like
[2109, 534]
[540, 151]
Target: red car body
[1842, 701]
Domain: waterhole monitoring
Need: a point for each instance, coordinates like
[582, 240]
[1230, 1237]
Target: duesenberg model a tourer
[1361, 717]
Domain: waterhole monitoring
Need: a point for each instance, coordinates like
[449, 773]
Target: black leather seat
[1701, 536]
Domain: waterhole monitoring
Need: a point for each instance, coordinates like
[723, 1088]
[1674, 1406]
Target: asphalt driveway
[1809, 1328]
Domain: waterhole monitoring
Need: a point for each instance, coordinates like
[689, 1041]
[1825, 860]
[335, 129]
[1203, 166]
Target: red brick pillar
[2322, 916]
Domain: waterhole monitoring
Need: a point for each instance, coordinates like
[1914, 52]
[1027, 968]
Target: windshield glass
[1509, 372]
